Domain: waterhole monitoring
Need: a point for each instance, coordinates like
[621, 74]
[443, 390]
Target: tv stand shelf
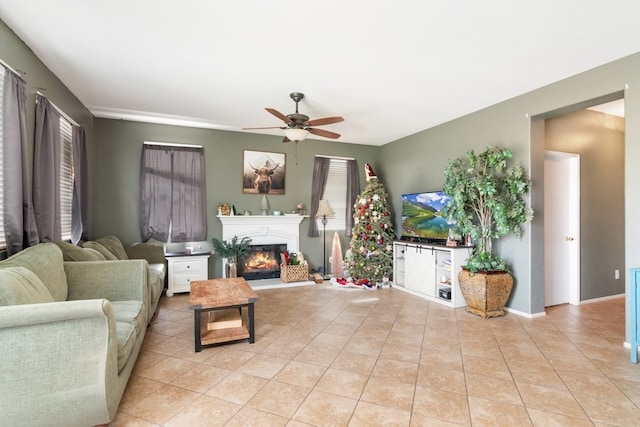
[429, 271]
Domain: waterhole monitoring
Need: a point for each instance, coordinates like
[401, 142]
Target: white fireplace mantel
[264, 229]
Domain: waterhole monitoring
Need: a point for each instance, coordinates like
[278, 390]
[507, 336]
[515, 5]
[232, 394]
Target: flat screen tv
[422, 218]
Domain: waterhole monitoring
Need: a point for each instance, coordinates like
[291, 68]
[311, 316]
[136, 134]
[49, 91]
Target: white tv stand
[430, 271]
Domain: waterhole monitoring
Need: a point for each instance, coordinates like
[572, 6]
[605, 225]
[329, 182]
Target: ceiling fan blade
[325, 133]
[271, 127]
[286, 139]
[325, 121]
[278, 114]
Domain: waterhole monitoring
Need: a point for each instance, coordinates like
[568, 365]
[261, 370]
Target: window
[173, 193]
[3, 243]
[335, 191]
[53, 174]
[66, 178]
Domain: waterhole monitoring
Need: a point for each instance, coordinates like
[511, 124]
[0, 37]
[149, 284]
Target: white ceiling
[390, 68]
[614, 108]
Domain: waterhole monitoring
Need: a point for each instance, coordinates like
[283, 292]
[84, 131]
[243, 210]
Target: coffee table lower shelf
[224, 335]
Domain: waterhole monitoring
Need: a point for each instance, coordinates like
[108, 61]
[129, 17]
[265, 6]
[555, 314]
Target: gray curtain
[189, 205]
[353, 189]
[320, 174]
[80, 207]
[172, 193]
[19, 221]
[46, 171]
[155, 192]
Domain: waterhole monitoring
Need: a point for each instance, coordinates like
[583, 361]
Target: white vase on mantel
[264, 204]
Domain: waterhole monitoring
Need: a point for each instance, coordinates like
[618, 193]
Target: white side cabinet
[429, 271]
[182, 270]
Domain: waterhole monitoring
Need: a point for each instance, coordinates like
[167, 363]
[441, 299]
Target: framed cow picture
[263, 172]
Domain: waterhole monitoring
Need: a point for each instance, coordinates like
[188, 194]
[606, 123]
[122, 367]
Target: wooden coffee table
[221, 294]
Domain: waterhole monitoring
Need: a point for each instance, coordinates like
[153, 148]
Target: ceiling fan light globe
[296, 134]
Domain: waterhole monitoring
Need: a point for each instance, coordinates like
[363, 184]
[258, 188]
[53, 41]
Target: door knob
[568, 239]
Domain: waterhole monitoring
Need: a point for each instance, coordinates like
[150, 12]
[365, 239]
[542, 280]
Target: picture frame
[263, 172]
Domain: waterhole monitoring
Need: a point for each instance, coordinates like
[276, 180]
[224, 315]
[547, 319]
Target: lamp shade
[296, 134]
[324, 208]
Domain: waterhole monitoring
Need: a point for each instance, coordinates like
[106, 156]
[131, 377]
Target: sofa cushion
[131, 312]
[114, 245]
[45, 260]
[19, 285]
[71, 252]
[98, 255]
[108, 255]
[153, 252]
[126, 342]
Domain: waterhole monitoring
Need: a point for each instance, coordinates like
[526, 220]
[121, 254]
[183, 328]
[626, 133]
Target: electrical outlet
[616, 274]
[330, 260]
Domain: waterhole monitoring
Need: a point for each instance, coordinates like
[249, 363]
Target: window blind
[66, 178]
[336, 192]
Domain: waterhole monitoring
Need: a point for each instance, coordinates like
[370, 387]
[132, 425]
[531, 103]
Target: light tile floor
[338, 357]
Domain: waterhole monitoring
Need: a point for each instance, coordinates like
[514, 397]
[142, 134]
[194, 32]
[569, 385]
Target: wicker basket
[294, 273]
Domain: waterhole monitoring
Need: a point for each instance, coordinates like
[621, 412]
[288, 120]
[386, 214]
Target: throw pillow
[19, 285]
[114, 245]
[71, 252]
[106, 253]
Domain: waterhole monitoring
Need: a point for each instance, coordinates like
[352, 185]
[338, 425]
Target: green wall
[115, 168]
[417, 162]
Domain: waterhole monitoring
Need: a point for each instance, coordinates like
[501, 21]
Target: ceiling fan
[298, 126]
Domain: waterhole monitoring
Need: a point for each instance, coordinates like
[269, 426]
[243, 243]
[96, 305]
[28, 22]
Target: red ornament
[368, 226]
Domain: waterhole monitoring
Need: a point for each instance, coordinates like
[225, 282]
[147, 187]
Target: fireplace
[262, 262]
[263, 230]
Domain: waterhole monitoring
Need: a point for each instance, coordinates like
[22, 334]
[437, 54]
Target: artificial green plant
[233, 250]
[487, 202]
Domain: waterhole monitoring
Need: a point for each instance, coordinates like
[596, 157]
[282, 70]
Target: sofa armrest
[59, 363]
[151, 251]
[113, 280]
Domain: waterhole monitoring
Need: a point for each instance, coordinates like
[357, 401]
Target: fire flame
[260, 261]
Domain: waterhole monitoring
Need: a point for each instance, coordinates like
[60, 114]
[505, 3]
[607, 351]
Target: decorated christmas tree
[370, 259]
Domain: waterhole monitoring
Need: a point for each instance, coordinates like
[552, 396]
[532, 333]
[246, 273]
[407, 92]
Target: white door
[562, 228]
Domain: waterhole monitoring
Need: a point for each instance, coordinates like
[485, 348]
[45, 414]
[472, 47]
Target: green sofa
[110, 248]
[70, 333]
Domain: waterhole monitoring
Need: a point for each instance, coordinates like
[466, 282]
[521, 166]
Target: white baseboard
[523, 314]
[591, 301]
[260, 284]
